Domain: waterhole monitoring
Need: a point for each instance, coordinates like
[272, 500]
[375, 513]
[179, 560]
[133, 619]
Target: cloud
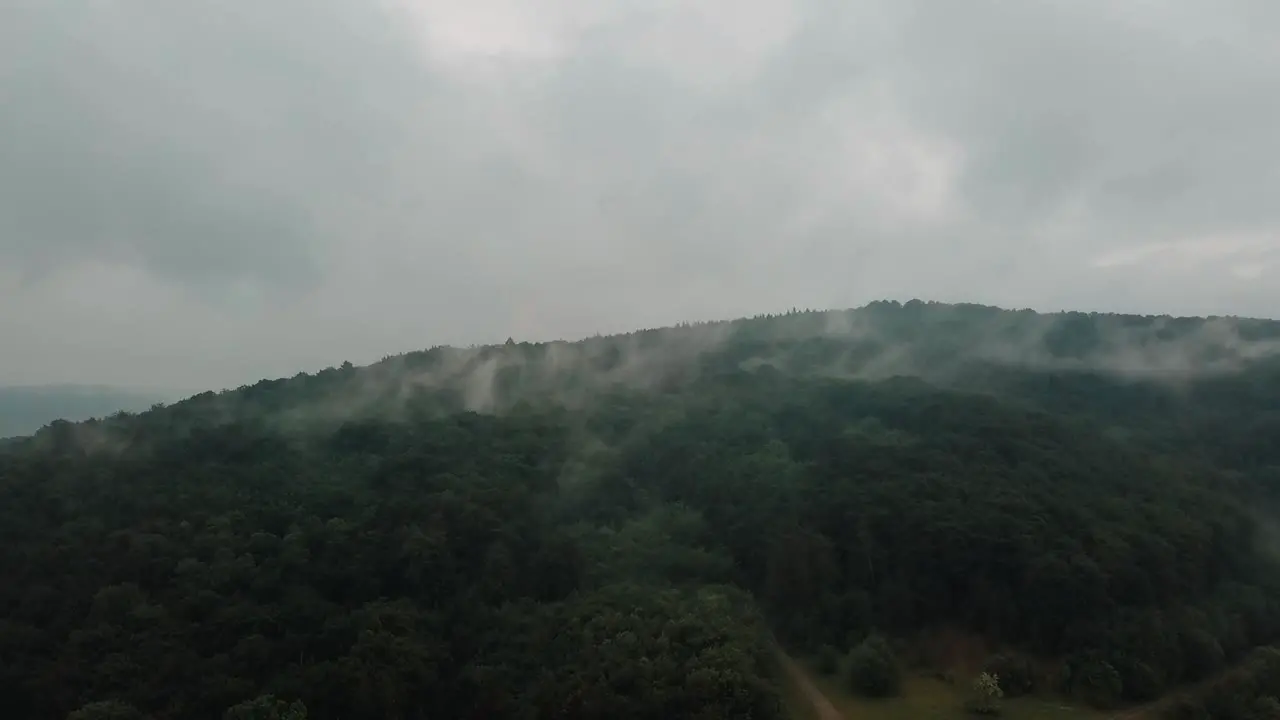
[204, 193]
[1193, 253]
[205, 142]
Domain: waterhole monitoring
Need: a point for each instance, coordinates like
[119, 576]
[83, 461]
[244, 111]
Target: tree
[873, 669]
[1013, 672]
[1265, 708]
[355, 540]
[1095, 681]
[828, 660]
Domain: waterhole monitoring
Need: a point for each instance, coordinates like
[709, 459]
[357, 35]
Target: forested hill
[623, 527]
[1079, 358]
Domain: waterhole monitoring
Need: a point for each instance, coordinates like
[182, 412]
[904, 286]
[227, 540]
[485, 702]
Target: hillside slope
[629, 520]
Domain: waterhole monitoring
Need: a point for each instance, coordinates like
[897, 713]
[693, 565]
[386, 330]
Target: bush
[986, 695]
[1095, 681]
[1014, 673]
[1248, 693]
[828, 660]
[1265, 708]
[873, 670]
[1202, 655]
[1140, 681]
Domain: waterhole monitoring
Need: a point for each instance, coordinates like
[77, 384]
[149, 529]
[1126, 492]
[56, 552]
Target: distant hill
[25, 409]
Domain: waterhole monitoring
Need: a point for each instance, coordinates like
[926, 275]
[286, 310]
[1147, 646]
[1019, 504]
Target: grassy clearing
[925, 698]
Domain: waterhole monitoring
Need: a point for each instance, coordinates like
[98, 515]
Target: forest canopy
[629, 526]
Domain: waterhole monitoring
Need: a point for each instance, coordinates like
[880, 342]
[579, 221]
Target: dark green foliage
[635, 652]
[1014, 673]
[1265, 708]
[1139, 681]
[1094, 680]
[901, 505]
[382, 570]
[873, 670]
[358, 542]
[106, 710]
[1202, 654]
[1250, 692]
[267, 707]
[828, 660]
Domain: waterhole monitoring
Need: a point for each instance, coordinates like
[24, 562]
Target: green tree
[1013, 671]
[1095, 681]
[828, 660]
[873, 669]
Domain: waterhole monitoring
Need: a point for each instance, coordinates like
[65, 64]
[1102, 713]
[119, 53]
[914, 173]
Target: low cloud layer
[201, 194]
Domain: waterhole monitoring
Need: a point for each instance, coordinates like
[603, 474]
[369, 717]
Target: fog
[943, 344]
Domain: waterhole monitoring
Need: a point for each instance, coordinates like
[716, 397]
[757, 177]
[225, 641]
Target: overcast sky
[207, 192]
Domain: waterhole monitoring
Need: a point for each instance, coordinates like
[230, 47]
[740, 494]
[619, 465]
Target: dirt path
[823, 706]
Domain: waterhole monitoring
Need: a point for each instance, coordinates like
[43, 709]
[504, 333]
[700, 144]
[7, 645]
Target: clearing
[812, 696]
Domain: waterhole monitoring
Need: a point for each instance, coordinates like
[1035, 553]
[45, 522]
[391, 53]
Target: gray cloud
[205, 142]
[1150, 118]
[205, 193]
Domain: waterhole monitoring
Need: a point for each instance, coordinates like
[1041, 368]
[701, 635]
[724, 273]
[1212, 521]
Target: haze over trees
[624, 527]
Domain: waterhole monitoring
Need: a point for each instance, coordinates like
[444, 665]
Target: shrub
[828, 660]
[1140, 681]
[986, 695]
[1095, 681]
[873, 669]
[1013, 671]
[1202, 654]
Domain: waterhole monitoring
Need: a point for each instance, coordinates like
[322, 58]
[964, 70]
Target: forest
[633, 526]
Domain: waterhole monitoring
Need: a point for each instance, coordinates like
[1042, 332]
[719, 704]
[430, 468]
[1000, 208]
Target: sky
[204, 193]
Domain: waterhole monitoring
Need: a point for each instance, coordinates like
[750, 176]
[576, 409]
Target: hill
[26, 409]
[621, 527]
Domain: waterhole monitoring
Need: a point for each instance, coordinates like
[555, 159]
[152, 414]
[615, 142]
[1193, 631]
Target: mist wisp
[935, 341]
